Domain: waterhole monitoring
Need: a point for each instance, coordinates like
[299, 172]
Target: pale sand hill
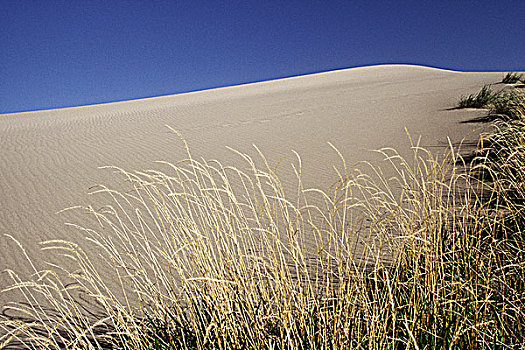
[49, 159]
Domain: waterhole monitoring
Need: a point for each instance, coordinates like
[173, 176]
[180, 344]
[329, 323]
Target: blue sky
[68, 53]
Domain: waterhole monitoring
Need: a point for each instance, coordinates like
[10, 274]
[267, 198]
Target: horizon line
[285, 77]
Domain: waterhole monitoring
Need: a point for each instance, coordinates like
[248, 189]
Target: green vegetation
[512, 78]
[506, 105]
[214, 257]
[509, 106]
[483, 99]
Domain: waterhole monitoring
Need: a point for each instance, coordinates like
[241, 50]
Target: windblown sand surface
[50, 159]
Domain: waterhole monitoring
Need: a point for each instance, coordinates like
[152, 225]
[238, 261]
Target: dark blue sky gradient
[68, 53]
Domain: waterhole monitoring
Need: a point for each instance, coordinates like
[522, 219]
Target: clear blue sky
[77, 52]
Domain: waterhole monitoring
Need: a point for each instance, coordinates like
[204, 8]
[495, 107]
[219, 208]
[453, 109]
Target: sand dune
[49, 159]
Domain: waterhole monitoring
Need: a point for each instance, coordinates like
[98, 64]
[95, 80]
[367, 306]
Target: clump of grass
[512, 78]
[509, 106]
[504, 154]
[483, 99]
[208, 256]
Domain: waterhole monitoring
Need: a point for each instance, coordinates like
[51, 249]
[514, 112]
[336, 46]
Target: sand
[50, 159]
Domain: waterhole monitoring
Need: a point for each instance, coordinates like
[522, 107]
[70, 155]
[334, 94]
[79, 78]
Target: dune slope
[49, 159]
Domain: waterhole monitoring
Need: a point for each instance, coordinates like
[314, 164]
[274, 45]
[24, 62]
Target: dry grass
[209, 256]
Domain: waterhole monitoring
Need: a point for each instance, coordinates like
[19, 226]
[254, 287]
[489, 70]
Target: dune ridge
[318, 74]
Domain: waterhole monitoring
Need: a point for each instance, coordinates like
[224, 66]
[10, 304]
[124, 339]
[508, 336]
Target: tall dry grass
[208, 256]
